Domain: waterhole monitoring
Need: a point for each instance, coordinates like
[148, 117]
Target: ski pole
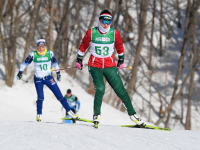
[128, 67]
[64, 69]
[24, 80]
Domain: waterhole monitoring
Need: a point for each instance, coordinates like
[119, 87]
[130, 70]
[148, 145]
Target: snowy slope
[19, 103]
[19, 129]
[32, 135]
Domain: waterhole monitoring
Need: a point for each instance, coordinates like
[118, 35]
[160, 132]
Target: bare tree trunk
[152, 31]
[93, 14]
[179, 93]
[193, 57]
[119, 5]
[9, 41]
[143, 13]
[31, 32]
[181, 61]
[107, 4]
[150, 94]
[179, 14]
[126, 21]
[182, 98]
[161, 24]
[63, 29]
[51, 25]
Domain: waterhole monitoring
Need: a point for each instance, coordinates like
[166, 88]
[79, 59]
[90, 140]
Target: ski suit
[73, 103]
[102, 63]
[43, 76]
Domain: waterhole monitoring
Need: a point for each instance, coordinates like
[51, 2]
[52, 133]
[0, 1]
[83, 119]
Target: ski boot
[96, 120]
[137, 120]
[39, 117]
[73, 116]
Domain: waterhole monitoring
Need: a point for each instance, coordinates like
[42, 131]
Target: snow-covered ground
[25, 135]
[19, 129]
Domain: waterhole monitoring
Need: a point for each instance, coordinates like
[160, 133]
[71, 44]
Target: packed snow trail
[20, 135]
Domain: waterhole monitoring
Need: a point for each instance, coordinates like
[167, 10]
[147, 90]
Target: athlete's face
[41, 48]
[69, 94]
[105, 25]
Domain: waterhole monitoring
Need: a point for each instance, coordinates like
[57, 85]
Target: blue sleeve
[54, 62]
[79, 104]
[26, 62]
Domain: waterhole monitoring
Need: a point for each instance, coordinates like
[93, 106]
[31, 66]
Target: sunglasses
[106, 22]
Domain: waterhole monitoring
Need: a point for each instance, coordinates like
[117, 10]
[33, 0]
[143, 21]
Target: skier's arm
[120, 49]
[54, 61]
[55, 65]
[82, 49]
[85, 43]
[78, 102]
[26, 62]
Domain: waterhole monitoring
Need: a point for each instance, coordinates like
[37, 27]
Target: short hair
[69, 91]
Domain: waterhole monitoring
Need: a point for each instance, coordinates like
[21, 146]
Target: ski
[146, 127]
[78, 119]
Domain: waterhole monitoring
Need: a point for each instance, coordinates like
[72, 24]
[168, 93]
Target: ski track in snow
[31, 135]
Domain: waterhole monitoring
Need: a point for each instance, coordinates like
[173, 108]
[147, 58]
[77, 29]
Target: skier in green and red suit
[103, 39]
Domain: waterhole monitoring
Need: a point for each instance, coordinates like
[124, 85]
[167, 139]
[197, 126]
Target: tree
[10, 18]
[141, 33]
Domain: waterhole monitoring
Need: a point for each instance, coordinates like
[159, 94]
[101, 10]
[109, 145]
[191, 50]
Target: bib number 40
[99, 50]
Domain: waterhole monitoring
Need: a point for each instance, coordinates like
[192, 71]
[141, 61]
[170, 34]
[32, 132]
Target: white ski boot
[96, 120]
[72, 115]
[39, 117]
[137, 120]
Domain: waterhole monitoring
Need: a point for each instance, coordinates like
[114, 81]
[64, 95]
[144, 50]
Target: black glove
[58, 76]
[79, 64]
[120, 62]
[19, 75]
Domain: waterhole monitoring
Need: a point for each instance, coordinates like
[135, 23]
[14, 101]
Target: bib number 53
[102, 50]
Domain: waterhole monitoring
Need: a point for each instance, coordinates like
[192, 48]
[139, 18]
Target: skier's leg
[52, 85]
[114, 79]
[39, 88]
[96, 75]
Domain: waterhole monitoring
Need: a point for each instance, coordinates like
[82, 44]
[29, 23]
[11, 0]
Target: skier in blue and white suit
[43, 59]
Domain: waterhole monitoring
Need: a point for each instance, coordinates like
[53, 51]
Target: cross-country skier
[103, 39]
[43, 60]
[74, 104]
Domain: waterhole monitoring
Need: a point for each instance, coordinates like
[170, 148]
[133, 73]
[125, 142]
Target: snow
[52, 136]
[19, 129]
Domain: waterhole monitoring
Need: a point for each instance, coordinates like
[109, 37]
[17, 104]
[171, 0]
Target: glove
[58, 76]
[120, 64]
[19, 75]
[79, 64]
